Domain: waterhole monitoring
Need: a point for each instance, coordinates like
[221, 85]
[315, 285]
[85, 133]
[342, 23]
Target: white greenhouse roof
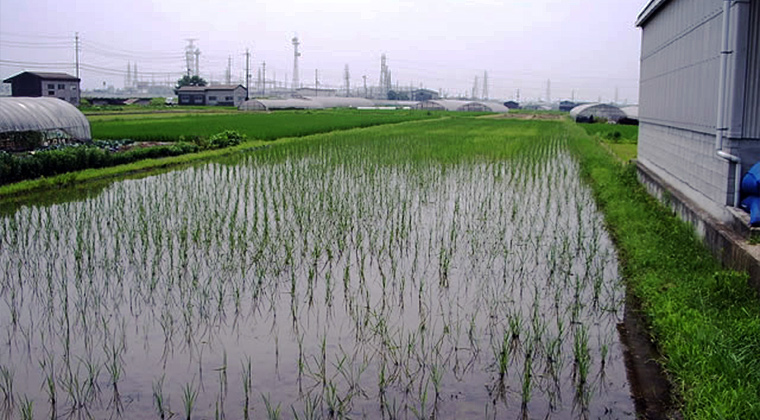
[43, 114]
[609, 112]
[631, 112]
[340, 102]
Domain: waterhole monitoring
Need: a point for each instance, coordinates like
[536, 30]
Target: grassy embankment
[705, 319]
[622, 140]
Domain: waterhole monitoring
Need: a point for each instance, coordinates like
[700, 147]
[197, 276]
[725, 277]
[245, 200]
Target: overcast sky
[589, 48]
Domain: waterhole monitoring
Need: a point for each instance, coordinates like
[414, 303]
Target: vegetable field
[442, 269]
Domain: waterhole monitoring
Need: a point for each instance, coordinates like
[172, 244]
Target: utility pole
[247, 71]
[76, 43]
[475, 88]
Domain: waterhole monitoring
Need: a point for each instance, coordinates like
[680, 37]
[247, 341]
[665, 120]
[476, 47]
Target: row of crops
[447, 269]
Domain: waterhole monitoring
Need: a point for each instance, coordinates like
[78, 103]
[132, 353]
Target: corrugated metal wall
[680, 65]
[752, 87]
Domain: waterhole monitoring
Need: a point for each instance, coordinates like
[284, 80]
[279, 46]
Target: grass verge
[705, 319]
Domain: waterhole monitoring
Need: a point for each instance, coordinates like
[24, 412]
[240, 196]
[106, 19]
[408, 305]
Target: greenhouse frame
[55, 120]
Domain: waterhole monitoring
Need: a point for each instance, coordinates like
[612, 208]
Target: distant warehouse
[218, 95]
[699, 105]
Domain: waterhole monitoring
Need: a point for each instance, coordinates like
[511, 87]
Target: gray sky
[590, 47]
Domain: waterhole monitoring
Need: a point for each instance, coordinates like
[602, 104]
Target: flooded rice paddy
[341, 278]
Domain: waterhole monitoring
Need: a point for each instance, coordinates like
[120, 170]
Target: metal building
[45, 84]
[217, 95]
[699, 105]
[55, 120]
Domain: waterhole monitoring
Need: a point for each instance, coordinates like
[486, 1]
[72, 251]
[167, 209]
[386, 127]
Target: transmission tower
[296, 54]
[189, 53]
[385, 76]
[548, 91]
[475, 88]
[347, 78]
[485, 85]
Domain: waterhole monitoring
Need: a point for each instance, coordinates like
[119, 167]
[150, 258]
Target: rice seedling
[26, 408]
[189, 396]
[369, 272]
[273, 413]
[160, 402]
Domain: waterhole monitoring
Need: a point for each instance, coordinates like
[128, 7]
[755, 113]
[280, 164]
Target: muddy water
[469, 290]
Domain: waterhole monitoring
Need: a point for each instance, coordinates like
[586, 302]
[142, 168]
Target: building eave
[649, 10]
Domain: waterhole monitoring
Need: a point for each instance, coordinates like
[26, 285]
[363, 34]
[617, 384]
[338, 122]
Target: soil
[651, 389]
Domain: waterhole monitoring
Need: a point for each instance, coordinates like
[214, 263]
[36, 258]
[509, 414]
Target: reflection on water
[319, 283]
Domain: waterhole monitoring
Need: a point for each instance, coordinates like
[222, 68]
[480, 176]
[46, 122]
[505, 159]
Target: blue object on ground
[751, 181]
[752, 205]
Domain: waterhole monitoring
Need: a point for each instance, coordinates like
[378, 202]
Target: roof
[43, 114]
[292, 103]
[649, 10]
[609, 112]
[340, 101]
[631, 112]
[460, 105]
[44, 75]
[224, 87]
[192, 89]
[208, 88]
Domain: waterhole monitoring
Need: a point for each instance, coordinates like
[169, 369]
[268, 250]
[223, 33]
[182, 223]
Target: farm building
[424, 95]
[26, 123]
[567, 106]
[45, 84]
[221, 95]
[596, 112]
[699, 119]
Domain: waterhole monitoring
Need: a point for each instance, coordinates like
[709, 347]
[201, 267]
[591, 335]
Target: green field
[261, 126]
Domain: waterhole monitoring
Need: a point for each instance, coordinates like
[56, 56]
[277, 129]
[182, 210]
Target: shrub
[226, 138]
[52, 162]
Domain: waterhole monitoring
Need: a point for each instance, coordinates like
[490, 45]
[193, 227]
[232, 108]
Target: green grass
[613, 133]
[262, 126]
[624, 151]
[705, 319]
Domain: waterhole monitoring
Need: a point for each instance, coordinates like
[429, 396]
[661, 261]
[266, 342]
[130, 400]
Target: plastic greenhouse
[40, 120]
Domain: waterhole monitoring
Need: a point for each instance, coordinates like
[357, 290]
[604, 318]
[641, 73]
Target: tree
[190, 81]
